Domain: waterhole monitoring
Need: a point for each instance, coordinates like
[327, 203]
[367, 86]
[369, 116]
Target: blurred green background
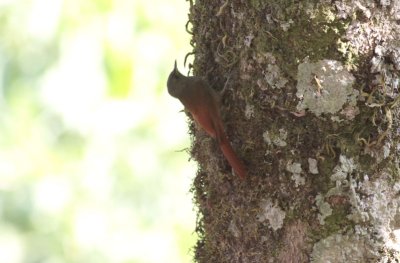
[92, 160]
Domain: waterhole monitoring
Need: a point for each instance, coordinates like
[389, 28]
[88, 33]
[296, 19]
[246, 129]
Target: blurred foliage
[91, 167]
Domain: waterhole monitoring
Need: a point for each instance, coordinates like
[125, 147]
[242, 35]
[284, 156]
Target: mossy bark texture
[311, 104]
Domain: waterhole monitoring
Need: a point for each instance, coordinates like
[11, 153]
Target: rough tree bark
[312, 106]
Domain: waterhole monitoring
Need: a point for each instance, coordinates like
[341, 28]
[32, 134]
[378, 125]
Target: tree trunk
[311, 105]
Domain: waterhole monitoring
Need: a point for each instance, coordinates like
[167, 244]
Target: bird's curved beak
[175, 67]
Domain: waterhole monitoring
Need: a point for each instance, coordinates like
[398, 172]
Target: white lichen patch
[273, 213]
[298, 180]
[386, 150]
[370, 200]
[267, 137]
[324, 208]
[325, 87]
[286, 25]
[248, 39]
[312, 166]
[374, 209]
[296, 170]
[340, 248]
[281, 141]
[249, 111]
[294, 167]
[277, 139]
[341, 171]
[341, 176]
[272, 73]
[374, 205]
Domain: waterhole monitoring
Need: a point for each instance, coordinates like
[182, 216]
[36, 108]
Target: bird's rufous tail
[233, 159]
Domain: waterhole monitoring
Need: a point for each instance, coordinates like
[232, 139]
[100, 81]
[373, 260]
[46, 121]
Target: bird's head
[175, 83]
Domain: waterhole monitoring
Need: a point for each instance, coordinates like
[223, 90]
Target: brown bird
[203, 103]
